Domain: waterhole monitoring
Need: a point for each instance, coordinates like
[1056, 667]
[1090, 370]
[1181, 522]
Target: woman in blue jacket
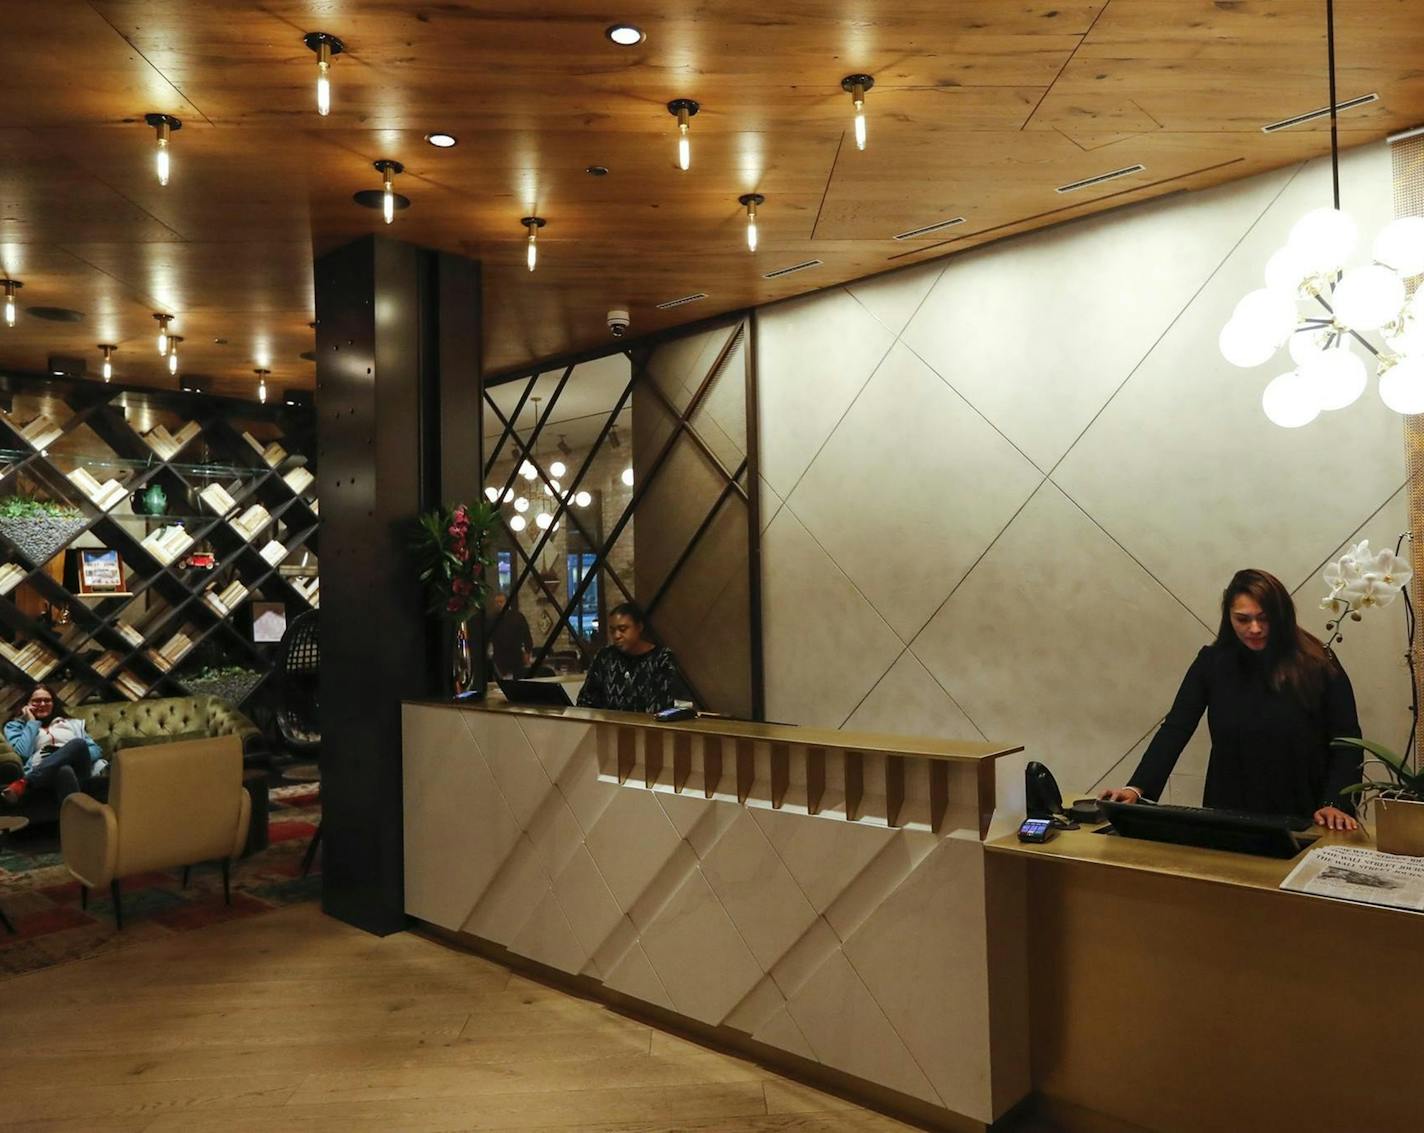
[56, 749]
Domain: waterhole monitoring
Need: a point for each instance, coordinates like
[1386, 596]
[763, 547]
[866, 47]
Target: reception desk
[1178, 989]
[814, 897]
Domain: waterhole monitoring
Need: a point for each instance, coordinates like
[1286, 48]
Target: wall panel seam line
[1389, 499]
[944, 267]
[1186, 306]
[1098, 782]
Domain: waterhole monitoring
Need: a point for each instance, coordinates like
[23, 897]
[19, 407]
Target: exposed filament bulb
[751, 200]
[323, 79]
[531, 247]
[683, 109]
[173, 341]
[108, 362]
[388, 199]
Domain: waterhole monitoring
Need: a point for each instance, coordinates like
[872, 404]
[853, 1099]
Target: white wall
[1003, 491]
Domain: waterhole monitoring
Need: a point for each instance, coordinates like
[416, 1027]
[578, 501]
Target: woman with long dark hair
[57, 751]
[1274, 699]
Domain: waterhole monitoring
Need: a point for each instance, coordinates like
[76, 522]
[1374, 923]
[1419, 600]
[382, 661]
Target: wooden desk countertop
[1218, 867]
[877, 743]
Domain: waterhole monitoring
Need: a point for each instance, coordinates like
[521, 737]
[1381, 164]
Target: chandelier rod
[1334, 116]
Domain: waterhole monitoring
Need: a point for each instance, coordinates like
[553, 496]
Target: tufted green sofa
[130, 723]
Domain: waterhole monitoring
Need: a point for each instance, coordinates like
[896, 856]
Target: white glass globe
[1324, 238]
[1401, 387]
[507, 495]
[1305, 345]
[517, 523]
[528, 471]
[1338, 377]
[491, 494]
[521, 505]
[1290, 401]
[1271, 314]
[1287, 269]
[1366, 298]
[583, 499]
[1242, 344]
[557, 469]
[553, 487]
[1400, 244]
[543, 519]
[628, 476]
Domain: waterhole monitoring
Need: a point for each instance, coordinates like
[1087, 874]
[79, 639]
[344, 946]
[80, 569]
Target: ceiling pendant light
[387, 170]
[857, 85]
[325, 47]
[683, 109]
[262, 376]
[173, 341]
[11, 286]
[533, 224]
[1343, 304]
[751, 200]
[163, 333]
[163, 126]
[108, 360]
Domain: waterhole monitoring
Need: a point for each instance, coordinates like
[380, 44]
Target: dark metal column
[397, 342]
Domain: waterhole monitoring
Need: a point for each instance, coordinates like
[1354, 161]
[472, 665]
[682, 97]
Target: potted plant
[451, 547]
[38, 528]
[1363, 579]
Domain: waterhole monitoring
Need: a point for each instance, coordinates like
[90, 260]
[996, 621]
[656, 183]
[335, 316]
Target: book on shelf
[233, 593]
[298, 479]
[73, 692]
[250, 522]
[257, 446]
[273, 552]
[10, 575]
[161, 441]
[186, 434]
[158, 659]
[85, 482]
[217, 498]
[130, 686]
[316, 507]
[111, 492]
[107, 663]
[128, 633]
[216, 604]
[177, 645]
[41, 430]
[176, 541]
[274, 454]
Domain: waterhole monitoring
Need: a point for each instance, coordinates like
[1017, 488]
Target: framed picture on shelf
[101, 571]
[269, 621]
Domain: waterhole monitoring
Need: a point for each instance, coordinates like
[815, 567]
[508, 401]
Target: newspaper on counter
[1351, 873]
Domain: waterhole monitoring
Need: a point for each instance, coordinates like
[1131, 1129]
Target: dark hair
[57, 708]
[630, 610]
[1294, 658]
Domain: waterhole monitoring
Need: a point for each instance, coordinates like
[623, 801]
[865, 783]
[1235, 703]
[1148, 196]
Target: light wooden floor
[293, 1020]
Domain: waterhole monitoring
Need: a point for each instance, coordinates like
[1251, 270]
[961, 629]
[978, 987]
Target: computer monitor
[1264, 835]
[548, 693]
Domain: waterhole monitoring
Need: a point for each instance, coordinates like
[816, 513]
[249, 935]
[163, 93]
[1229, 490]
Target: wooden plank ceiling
[979, 110]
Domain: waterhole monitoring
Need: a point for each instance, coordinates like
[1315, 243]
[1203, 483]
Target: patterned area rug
[41, 898]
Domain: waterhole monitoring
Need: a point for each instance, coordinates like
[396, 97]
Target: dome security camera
[618, 323]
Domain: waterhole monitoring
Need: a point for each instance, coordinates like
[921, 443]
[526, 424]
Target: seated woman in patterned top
[632, 674]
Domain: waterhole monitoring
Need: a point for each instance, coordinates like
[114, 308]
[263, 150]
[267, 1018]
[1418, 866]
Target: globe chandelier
[1320, 310]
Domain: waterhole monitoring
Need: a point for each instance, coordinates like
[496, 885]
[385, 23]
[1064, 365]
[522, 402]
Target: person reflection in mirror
[511, 645]
[632, 674]
[1274, 699]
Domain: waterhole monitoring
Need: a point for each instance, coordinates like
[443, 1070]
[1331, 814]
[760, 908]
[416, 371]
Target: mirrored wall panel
[629, 478]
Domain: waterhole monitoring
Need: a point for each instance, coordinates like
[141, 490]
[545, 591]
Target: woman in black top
[632, 674]
[1274, 698]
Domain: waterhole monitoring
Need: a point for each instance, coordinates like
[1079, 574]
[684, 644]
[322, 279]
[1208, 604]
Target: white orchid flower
[1333, 605]
[1361, 579]
[1393, 571]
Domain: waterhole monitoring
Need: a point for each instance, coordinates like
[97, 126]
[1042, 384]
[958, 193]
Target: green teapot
[153, 500]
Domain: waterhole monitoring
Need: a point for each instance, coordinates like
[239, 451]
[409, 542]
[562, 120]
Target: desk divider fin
[681, 760]
[652, 757]
[711, 765]
[780, 774]
[854, 784]
[815, 778]
[939, 794]
[627, 753]
[746, 769]
[986, 796]
[894, 788]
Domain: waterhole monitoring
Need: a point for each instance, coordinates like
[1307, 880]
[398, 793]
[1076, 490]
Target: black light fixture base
[374, 199]
[678, 105]
[533, 222]
[12, 285]
[850, 82]
[751, 199]
[314, 40]
[384, 164]
[163, 120]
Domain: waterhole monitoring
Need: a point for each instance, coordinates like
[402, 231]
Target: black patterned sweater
[645, 683]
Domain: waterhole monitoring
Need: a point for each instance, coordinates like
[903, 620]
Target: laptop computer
[548, 693]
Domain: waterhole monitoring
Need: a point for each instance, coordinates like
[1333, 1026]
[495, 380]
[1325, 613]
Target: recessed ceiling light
[596, 170]
[55, 314]
[625, 35]
[442, 141]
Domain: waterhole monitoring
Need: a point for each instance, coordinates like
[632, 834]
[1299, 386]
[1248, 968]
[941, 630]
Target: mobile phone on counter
[1035, 830]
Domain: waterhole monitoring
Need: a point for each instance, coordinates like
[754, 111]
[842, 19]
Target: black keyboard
[1272, 836]
[1286, 821]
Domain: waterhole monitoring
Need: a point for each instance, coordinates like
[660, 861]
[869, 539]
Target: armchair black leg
[310, 855]
[118, 903]
[186, 868]
[227, 893]
[4, 920]
[84, 896]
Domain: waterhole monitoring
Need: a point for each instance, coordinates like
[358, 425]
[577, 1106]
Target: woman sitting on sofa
[56, 749]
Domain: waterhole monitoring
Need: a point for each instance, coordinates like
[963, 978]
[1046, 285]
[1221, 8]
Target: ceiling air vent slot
[693, 298]
[1322, 112]
[927, 229]
[1087, 182]
[802, 266]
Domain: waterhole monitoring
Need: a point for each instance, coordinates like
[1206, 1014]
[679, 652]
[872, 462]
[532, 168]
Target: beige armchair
[169, 805]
